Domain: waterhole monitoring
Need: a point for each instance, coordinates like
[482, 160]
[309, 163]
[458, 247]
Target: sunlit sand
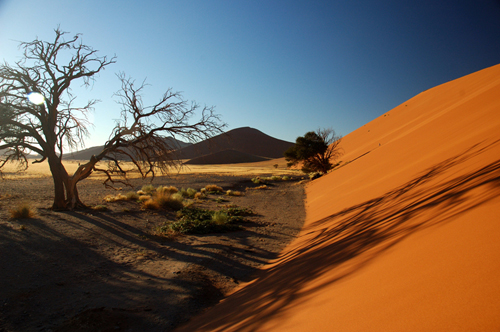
[403, 237]
[275, 166]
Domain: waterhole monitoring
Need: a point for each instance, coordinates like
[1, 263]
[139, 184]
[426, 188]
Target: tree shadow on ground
[86, 270]
[341, 244]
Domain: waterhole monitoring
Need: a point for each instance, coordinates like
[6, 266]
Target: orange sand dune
[405, 237]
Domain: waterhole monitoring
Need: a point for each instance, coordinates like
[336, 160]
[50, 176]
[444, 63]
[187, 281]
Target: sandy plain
[107, 270]
[403, 237]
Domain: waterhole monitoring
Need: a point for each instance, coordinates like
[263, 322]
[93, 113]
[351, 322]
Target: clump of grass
[115, 198]
[167, 190]
[213, 189]
[258, 188]
[233, 211]
[285, 178]
[220, 200]
[148, 188]
[150, 204]
[257, 180]
[199, 195]
[220, 217]
[234, 193]
[23, 211]
[143, 198]
[189, 192]
[132, 196]
[201, 221]
[100, 208]
[171, 202]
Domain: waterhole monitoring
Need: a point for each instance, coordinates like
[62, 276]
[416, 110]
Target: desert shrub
[201, 221]
[238, 211]
[275, 178]
[285, 178]
[212, 188]
[257, 180]
[163, 230]
[132, 196]
[167, 201]
[220, 217]
[151, 204]
[178, 196]
[148, 188]
[189, 192]
[199, 195]
[141, 192]
[23, 211]
[236, 214]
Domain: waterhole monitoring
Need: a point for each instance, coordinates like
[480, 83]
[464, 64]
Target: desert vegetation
[316, 151]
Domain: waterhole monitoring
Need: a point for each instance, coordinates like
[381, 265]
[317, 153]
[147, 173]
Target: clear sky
[283, 67]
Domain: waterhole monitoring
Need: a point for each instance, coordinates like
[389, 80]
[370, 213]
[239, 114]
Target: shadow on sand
[343, 243]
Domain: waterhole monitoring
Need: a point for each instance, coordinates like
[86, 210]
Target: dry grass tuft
[115, 198]
[234, 193]
[151, 204]
[100, 208]
[168, 201]
[23, 211]
[167, 190]
[214, 188]
[258, 188]
[132, 196]
[143, 198]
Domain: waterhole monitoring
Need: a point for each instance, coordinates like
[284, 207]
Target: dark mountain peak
[246, 139]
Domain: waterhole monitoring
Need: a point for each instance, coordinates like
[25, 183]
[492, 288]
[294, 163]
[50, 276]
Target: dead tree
[55, 126]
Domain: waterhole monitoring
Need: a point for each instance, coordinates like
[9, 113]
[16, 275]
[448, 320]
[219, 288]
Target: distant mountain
[87, 153]
[246, 140]
[226, 157]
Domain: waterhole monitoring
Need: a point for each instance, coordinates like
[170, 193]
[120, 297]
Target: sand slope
[405, 237]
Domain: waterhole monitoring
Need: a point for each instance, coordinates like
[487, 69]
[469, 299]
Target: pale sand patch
[11, 170]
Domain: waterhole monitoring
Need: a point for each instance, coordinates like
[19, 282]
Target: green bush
[201, 221]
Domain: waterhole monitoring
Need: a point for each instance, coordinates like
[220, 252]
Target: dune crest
[403, 237]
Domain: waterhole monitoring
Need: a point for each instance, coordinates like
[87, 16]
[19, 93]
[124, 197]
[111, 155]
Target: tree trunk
[58, 175]
[73, 201]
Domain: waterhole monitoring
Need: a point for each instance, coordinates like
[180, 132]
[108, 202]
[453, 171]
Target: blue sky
[283, 67]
